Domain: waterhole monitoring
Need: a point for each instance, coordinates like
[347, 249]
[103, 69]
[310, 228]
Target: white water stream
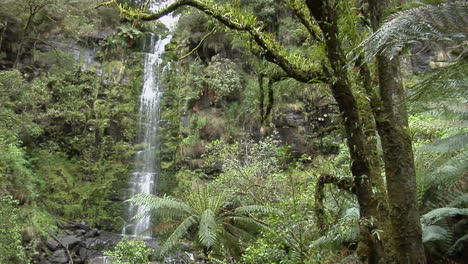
[147, 163]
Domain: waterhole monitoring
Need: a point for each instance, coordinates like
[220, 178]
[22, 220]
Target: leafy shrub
[11, 250]
[130, 252]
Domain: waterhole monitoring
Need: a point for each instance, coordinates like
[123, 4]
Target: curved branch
[345, 184]
[301, 12]
[296, 67]
[199, 44]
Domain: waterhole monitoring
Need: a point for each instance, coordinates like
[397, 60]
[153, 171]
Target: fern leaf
[446, 22]
[237, 232]
[166, 206]
[178, 233]
[442, 213]
[443, 83]
[450, 144]
[460, 201]
[249, 209]
[207, 233]
[458, 245]
[433, 233]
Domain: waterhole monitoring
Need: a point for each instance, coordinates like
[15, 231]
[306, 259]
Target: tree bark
[392, 125]
[364, 166]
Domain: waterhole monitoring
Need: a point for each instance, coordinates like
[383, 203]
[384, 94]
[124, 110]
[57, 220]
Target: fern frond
[433, 233]
[231, 241]
[439, 183]
[207, 232]
[347, 230]
[446, 22]
[458, 245]
[165, 206]
[250, 209]
[178, 233]
[451, 144]
[441, 213]
[443, 83]
[460, 201]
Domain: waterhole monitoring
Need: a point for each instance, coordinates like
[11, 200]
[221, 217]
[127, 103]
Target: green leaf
[441, 213]
[178, 233]
[207, 232]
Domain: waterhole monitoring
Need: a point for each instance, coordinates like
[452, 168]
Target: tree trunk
[392, 125]
[365, 167]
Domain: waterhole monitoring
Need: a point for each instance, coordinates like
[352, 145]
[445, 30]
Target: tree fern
[437, 233]
[460, 201]
[214, 222]
[432, 24]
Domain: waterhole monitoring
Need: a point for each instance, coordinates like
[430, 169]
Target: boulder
[70, 241]
[79, 232]
[27, 235]
[92, 233]
[59, 257]
[52, 244]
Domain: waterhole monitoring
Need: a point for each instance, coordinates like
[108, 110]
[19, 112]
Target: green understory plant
[130, 252]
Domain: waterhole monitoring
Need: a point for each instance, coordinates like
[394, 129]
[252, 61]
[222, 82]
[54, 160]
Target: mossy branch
[199, 44]
[295, 66]
[301, 12]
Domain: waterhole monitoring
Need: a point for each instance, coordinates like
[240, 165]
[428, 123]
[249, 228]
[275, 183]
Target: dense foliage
[282, 134]
[130, 252]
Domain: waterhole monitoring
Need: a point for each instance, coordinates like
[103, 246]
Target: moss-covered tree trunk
[392, 125]
[365, 168]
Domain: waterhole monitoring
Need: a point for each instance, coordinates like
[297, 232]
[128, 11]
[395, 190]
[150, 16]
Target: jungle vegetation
[312, 131]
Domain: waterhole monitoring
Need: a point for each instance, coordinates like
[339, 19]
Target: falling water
[146, 171]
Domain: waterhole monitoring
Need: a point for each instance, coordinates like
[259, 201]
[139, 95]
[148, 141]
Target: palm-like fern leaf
[434, 233]
[446, 82]
[178, 233]
[207, 233]
[441, 213]
[346, 230]
[458, 245]
[249, 209]
[446, 22]
[460, 201]
[437, 182]
[164, 206]
[445, 145]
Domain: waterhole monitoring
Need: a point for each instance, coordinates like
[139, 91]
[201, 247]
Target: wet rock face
[293, 129]
[80, 243]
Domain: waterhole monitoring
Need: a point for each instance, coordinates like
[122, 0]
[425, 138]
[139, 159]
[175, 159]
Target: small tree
[206, 216]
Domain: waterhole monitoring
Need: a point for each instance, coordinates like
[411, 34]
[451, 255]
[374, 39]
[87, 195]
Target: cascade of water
[146, 169]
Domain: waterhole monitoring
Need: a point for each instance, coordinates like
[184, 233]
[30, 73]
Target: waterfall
[147, 163]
